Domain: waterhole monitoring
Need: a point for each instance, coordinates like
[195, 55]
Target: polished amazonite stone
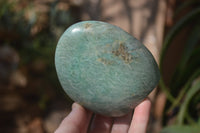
[104, 68]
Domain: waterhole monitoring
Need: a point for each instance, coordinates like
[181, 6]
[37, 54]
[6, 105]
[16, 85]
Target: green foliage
[18, 30]
[32, 29]
[190, 94]
[184, 88]
[181, 129]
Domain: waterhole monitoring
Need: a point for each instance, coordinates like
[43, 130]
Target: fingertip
[101, 124]
[122, 124]
[76, 106]
[80, 108]
[146, 103]
[77, 120]
[141, 117]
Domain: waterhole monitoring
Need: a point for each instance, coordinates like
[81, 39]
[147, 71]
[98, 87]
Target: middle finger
[122, 124]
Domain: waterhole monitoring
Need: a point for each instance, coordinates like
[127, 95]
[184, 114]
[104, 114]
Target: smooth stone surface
[104, 68]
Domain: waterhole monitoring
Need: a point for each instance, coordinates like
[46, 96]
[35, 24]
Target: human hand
[79, 119]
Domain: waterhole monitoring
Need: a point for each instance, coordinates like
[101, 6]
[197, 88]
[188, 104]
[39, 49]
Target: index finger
[77, 121]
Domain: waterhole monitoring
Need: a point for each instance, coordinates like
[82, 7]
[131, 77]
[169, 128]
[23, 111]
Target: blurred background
[31, 98]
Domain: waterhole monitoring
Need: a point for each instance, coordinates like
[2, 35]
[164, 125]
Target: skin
[80, 120]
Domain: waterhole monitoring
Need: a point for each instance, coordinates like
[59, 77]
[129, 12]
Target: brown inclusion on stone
[122, 52]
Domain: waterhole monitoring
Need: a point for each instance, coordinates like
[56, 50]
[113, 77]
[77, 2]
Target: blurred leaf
[181, 129]
[185, 4]
[180, 75]
[191, 92]
[165, 89]
[176, 29]
[184, 89]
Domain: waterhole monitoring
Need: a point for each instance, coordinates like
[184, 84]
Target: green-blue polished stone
[104, 68]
